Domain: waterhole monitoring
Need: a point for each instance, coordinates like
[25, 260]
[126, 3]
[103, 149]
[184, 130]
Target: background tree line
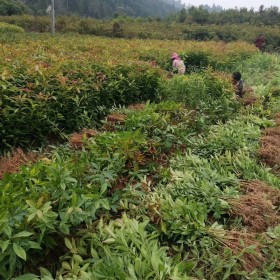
[203, 15]
[169, 10]
[93, 8]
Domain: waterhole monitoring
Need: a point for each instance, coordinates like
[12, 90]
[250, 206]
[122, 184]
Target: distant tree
[199, 15]
[217, 15]
[11, 7]
[272, 16]
[117, 30]
[37, 7]
[182, 15]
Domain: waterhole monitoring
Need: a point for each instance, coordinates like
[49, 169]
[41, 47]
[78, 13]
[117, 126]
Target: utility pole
[53, 18]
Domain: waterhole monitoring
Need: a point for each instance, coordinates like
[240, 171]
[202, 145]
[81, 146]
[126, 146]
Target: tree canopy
[11, 7]
[171, 10]
[108, 8]
[202, 15]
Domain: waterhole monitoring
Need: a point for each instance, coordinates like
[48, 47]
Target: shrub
[36, 107]
[12, 7]
[10, 28]
[199, 34]
[195, 60]
[209, 94]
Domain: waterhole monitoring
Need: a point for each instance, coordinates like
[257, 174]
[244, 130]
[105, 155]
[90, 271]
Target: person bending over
[178, 63]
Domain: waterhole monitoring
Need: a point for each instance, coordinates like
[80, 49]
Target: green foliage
[32, 104]
[242, 133]
[195, 60]
[9, 28]
[151, 29]
[196, 178]
[229, 33]
[131, 252]
[148, 199]
[11, 7]
[61, 199]
[208, 94]
[181, 220]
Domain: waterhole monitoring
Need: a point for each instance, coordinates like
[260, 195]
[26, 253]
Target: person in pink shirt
[178, 63]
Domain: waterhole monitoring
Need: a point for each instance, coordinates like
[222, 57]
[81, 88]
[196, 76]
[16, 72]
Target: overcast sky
[235, 3]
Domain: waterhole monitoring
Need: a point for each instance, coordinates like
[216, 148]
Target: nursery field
[113, 168]
[149, 29]
[87, 75]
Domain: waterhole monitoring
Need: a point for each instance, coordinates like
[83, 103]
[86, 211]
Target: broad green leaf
[31, 203]
[70, 179]
[64, 228]
[77, 258]
[31, 217]
[8, 231]
[40, 201]
[12, 261]
[19, 251]
[74, 199]
[23, 234]
[68, 243]
[44, 272]
[39, 213]
[27, 277]
[103, 188]
[108, 230]
[4, 245]
[33, 245]
[66, 266]
[109, 241]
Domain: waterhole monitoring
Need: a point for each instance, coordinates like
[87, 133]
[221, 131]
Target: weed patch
[12, 164]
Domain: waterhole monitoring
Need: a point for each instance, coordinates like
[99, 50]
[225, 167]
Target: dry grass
[244, 245]
[249, 97]
[77, 139]
[238, 242]
[257, 206]
[12, 164]
[112, 121]
[137, 106]
[270, 147]
[116, 118]
[256, 211]
[277, 118]
[258, 187]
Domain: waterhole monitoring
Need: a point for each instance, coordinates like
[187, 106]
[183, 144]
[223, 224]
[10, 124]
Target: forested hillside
[94, 8]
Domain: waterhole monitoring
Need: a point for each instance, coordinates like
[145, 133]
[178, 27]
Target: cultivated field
[112, 167]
